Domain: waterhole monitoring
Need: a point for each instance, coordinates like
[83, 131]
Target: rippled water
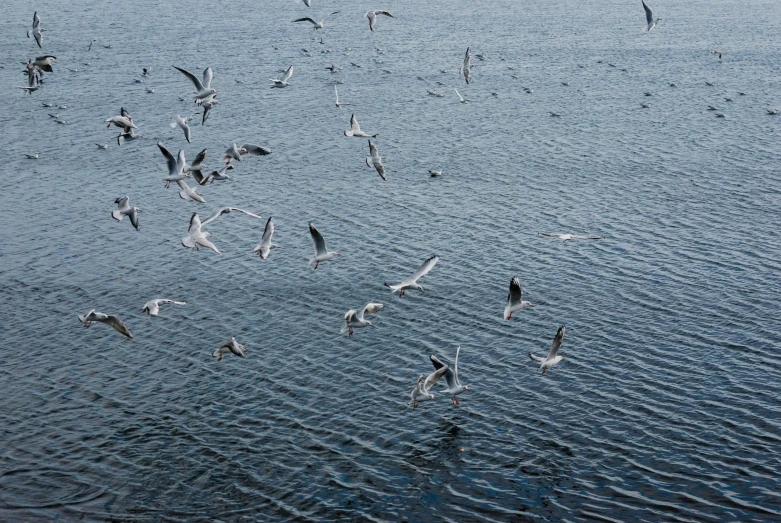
[666, 406]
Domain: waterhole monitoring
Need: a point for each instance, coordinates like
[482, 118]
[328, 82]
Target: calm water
[666, 406]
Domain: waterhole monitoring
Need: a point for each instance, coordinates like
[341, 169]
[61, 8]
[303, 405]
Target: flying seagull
[412, 281]
[36, 31]
[649, 17]
[466, 69]
[435, 174]
[197, 238]
[203, 88]
[355, 129]
[372, 16]
[264, 247]
[108, 319]
[515, 299]
[454, 387]
[355, 320]
[124, 209]
[182, 122]
[375, 160]
[421, 390]
[460, 98]
[229, 347]
[568, 237]
[44, 63]
[551, 359]
[152, 307]
[338, 104]
[248, 149]
[317, 25]
[283, 82]
[321, 252]
[176, 166]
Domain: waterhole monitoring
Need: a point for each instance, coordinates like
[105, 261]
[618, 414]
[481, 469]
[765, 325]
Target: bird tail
[343, 329]
[391, 287]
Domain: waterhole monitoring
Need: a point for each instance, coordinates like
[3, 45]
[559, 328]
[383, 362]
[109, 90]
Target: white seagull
[176, 166]
[372, 16]
[412, 281]
[515, 299]
[454, 387]
[375, 160]
[264, 247]
[460, 98]
[317, 25]
[182, 122]
[113, 321]
[649, 17]
[355, 320]
[203, 88]
[152, 307]
[283, 82]
[568, 237]
[196, 237]
[229, 347]
[466, 69]
[338, 104]
[435, 174]
[321, 253]
[189, 193]
[44, 63]
[421, 390]
[551, 359]
[36, 31]
[248, 149]
[123, 121]
[124, 209]
[355, 129]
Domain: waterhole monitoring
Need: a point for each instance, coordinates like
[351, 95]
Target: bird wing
[199, 158]
[235, 348]
[354, 125]
[425, 268]
[287, 75]
[350, 315]
[516, 293]
[88, 316]
[337, 94]
[450, 378]
[36, 20]
[255, 150]
[373, 150]
[306, 19]
[117, 324]
[434, 377]
[186, 128]
[123, 112]
[371, 308]
[169, 159]
[335, 12]
[461, 98]
[193, 79]
[380, 168]
[649, 15]
[133, 215]
[318, 241]
[556, 343]
[207, 77]
[268, 232]
[195, 225]
[386, 13]
[180, 162]
[536, 358]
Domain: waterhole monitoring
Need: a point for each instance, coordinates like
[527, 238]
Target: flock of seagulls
[197, 237]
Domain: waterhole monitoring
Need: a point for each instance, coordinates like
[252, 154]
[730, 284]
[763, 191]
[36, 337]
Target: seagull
[460, 98]
[197, 167]
[355, 129]
[182, 122]
[554, 114]
[32, 156]
[438, 95]
[716, 52]
[321, 253]
[354, 320]
[264, 247]
[231, 346]
[372, 16]
[709, 84]
[772, 112]
[124, 209]
[466, 69]
[44, 63]
[188, 193]
[454, 387]
[649, 17]
[317, 25]
[203, 88]
[152, 307]
[568, 237]
[338, 104]
[412, 281]
[197, 238]
[36, 31]
[551, 359]
[207, 105]
[515, 300]
[102, 145]
[434, 174]
[176, 166]
[721, 115]
[713, 108]
[375, 160]
[115, 322]
[123, 121]
[283, 82]
[421, 390]
[248, 149]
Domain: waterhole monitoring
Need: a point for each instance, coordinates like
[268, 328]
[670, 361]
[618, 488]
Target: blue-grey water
[666, 406]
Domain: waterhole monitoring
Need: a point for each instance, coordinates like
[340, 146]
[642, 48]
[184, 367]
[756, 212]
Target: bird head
[466, 388]
[419, 287]
[369, 324]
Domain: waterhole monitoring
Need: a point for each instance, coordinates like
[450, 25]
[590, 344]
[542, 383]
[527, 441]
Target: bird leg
[510, 316]
[414, 404]
[351, 331]
[316, 264]
[220, 358]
